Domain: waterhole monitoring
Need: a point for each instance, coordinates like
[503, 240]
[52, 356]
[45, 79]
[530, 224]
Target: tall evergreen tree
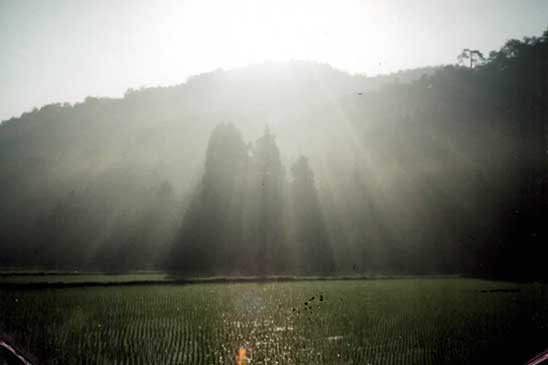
[211, 231]
[266, 227]
[313, 249]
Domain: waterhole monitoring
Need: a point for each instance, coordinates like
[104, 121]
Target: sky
[65, 50]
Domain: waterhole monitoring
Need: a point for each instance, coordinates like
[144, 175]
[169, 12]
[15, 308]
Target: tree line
[441, 171]
[246, 218]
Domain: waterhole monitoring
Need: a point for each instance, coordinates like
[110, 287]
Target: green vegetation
[440, 170]
[411, 321]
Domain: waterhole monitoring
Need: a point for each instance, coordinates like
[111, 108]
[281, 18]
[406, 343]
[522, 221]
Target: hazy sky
[65, 50]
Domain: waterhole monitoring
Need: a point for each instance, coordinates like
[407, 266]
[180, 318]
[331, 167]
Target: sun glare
[209, 35]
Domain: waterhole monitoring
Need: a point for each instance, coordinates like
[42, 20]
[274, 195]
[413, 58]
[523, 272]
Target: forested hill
[79, 182]
[440, 170]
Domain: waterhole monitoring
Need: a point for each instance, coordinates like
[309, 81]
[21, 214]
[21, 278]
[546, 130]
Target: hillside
[422, 164]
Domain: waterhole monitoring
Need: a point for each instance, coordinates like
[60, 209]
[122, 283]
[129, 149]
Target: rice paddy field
[391, 321]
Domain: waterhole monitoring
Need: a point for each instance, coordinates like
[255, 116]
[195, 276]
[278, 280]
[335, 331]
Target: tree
[211, 230]
[314, 253]
[265, 218]
[474, 56]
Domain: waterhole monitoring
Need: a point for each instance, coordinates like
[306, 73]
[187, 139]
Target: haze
[63, 51]
[284, 158]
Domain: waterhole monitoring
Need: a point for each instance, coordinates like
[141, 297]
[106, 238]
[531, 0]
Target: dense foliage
[445, 172]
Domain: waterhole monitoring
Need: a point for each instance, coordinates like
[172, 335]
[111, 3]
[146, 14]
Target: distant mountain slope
[96, 165]
[415, 171]
[159, 132]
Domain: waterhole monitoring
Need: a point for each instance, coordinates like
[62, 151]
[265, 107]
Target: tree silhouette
[314, 253]
[266, 226]
[211, 229]
[474, 56]
[442, 173]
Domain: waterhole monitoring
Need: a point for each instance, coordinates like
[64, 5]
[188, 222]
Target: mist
[293, 168]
